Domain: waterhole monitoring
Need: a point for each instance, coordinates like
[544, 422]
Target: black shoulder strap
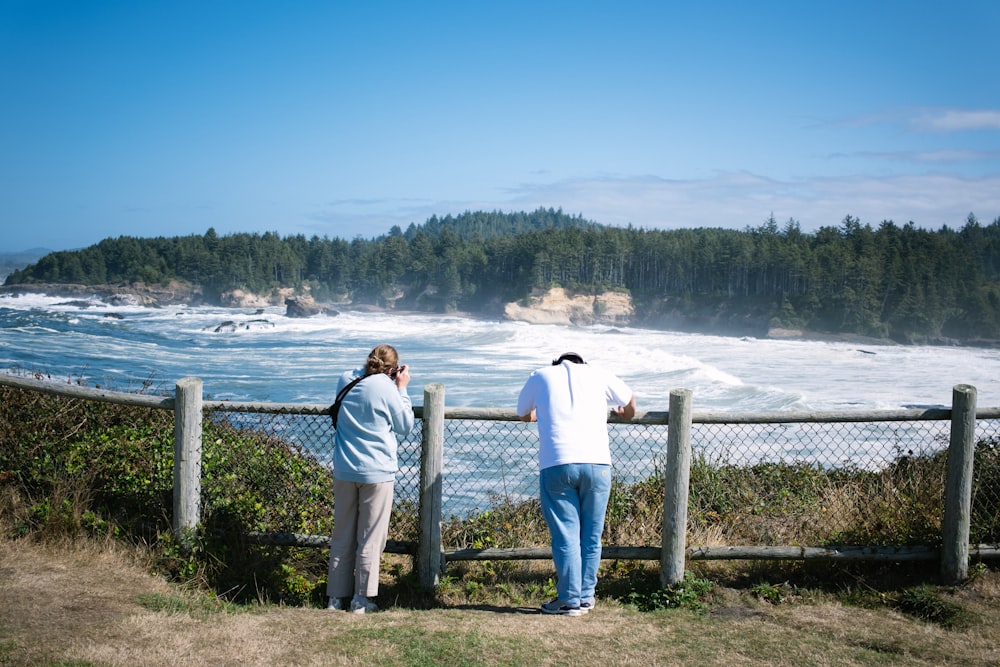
[335, 408]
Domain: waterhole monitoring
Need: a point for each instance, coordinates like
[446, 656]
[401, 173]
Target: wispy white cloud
[939, 156]
[956, 120]
[930, 119]
[734, 200]
[740, 199]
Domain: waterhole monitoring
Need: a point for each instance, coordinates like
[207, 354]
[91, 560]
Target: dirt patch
[64, 588]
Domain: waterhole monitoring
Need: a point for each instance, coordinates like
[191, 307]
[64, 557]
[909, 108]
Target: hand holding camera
[400, 375]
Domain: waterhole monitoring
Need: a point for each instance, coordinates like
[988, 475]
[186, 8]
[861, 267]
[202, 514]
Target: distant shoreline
[168, 295]
[179, 294]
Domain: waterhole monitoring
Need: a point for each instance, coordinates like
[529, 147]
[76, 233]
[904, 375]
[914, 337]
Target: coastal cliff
[238, 298]
[560, 306]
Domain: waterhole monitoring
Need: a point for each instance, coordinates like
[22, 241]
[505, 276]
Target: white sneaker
[363, 606]
[587, 605]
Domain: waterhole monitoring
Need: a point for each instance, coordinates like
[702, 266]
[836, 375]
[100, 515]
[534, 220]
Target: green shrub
[75, 466]
[507, 524]
[924, 602]
[762, 503]
[902, 504]
[985, 520]
[110, 463]
[689, 593]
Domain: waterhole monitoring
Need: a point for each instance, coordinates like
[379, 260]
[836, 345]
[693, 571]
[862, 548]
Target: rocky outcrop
[237, 298]
[560, 306]
[230, 326]
[305, 306]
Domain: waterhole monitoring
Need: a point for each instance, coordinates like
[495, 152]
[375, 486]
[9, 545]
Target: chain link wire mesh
[290, 452]
[775, 483]
[847, 483]
[985, 520]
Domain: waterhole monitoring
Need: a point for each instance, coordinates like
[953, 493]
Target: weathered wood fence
[954, 554]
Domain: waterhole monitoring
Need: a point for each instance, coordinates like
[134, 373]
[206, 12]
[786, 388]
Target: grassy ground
[82, 602]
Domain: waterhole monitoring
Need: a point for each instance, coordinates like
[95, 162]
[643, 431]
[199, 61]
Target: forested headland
[899, 283]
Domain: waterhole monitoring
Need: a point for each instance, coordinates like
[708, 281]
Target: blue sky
[342, 119]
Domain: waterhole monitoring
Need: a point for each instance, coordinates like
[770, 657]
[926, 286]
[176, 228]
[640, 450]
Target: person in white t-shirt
[569, 400]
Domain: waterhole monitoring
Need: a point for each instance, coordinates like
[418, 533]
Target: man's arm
[626, 411]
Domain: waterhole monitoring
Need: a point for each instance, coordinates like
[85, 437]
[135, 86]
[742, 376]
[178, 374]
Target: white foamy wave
[481, 363]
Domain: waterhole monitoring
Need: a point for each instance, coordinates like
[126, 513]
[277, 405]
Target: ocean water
[247, 355]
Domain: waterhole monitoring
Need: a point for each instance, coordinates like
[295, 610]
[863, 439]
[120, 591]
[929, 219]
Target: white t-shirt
[571, 404]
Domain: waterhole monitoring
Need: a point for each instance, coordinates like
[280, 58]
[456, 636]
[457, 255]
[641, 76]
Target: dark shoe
[556, 607]
[363, 606]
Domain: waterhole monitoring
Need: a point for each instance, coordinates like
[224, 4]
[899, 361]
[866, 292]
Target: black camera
[394, 372]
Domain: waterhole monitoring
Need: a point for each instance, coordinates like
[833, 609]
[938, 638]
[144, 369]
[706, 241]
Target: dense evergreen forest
[900, 283]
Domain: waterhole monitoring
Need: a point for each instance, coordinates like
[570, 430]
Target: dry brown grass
[85, 602]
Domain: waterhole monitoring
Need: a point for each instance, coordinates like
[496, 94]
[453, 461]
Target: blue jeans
[574, 500]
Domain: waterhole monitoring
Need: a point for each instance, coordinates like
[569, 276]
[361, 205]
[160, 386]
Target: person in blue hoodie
[375, 409]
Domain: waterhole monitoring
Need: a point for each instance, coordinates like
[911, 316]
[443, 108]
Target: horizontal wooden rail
[319, 541]
[76, 391]
[493, 414]
[651, 417]
[827, 553]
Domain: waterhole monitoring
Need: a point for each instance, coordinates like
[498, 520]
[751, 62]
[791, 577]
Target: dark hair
[568, 356]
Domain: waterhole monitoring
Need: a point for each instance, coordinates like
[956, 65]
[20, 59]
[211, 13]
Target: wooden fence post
[675, 488]
[429, 555]
[958, 490]
[187, 458]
